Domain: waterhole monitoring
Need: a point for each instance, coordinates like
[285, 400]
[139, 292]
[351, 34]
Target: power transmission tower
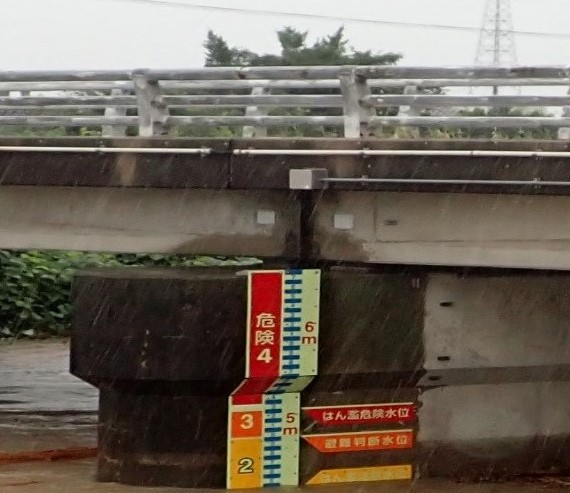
[496, 44]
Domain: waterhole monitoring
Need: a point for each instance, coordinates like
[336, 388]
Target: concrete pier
[484, 358]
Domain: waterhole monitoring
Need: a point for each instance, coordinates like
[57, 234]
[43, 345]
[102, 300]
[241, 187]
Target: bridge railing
[357, 101]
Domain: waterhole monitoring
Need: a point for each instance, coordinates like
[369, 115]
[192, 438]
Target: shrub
[35, 285]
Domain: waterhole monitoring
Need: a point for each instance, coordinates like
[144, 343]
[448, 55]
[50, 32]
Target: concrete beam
[512, 231]
[261, 223]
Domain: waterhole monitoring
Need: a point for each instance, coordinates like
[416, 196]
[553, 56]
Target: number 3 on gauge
[247, 421]
[245, 465]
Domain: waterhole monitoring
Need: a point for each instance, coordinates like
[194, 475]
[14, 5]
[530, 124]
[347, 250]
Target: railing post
[411, 132]
[250, 131]
[115, 130]
[357, 114]
[152, 110]
[564, 132]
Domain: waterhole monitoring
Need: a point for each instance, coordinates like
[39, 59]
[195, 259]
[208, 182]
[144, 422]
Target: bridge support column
[449, 375]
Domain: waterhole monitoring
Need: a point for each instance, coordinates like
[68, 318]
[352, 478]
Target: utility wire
[275, 13]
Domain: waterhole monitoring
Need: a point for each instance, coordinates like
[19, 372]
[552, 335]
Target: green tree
[328, 50]
[219, 53]
[333, 49]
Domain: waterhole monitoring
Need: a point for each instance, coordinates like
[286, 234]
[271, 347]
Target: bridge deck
[506, 207]
[264, 164]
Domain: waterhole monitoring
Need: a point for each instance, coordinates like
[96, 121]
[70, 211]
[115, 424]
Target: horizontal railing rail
[167, 86]
[353, 101]
[289, 72]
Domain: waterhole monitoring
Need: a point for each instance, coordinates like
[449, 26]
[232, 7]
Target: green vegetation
[330, 50]
[504, 133]
[35, 286]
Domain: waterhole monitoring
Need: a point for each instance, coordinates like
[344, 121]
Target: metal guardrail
[260, 97]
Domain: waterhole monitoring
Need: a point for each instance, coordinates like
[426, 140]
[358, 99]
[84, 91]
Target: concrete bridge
[444, 259]
[419, 201]
[454, 203]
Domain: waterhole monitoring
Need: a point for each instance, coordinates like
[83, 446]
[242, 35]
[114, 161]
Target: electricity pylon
[496, 44]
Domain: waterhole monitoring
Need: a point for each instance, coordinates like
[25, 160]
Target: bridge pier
[470, 372]
[484, 359]
[156, 438]
[165, 350]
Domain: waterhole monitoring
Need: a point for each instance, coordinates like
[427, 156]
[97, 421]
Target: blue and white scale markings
[292, 320]
[281, 426]
[272, 439]
[298, 360]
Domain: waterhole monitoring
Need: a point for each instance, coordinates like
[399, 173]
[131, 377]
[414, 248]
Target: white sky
[108, 34]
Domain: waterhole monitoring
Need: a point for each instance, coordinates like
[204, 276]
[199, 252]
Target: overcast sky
[107, 34]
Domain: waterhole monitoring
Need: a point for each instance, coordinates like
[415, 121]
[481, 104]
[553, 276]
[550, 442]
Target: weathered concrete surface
[497, 351]
[496, 322]
[167, 347]
[272, 171]
[223, 170]
[123, 169]
[168, 314]
[263, 223]
[515, 231]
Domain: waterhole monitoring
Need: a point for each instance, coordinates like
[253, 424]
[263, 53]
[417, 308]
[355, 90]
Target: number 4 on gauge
[265, 356]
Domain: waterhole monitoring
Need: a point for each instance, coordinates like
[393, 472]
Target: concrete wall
[479, 412]
[493, 322]
[527, 231]
[497, 360]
